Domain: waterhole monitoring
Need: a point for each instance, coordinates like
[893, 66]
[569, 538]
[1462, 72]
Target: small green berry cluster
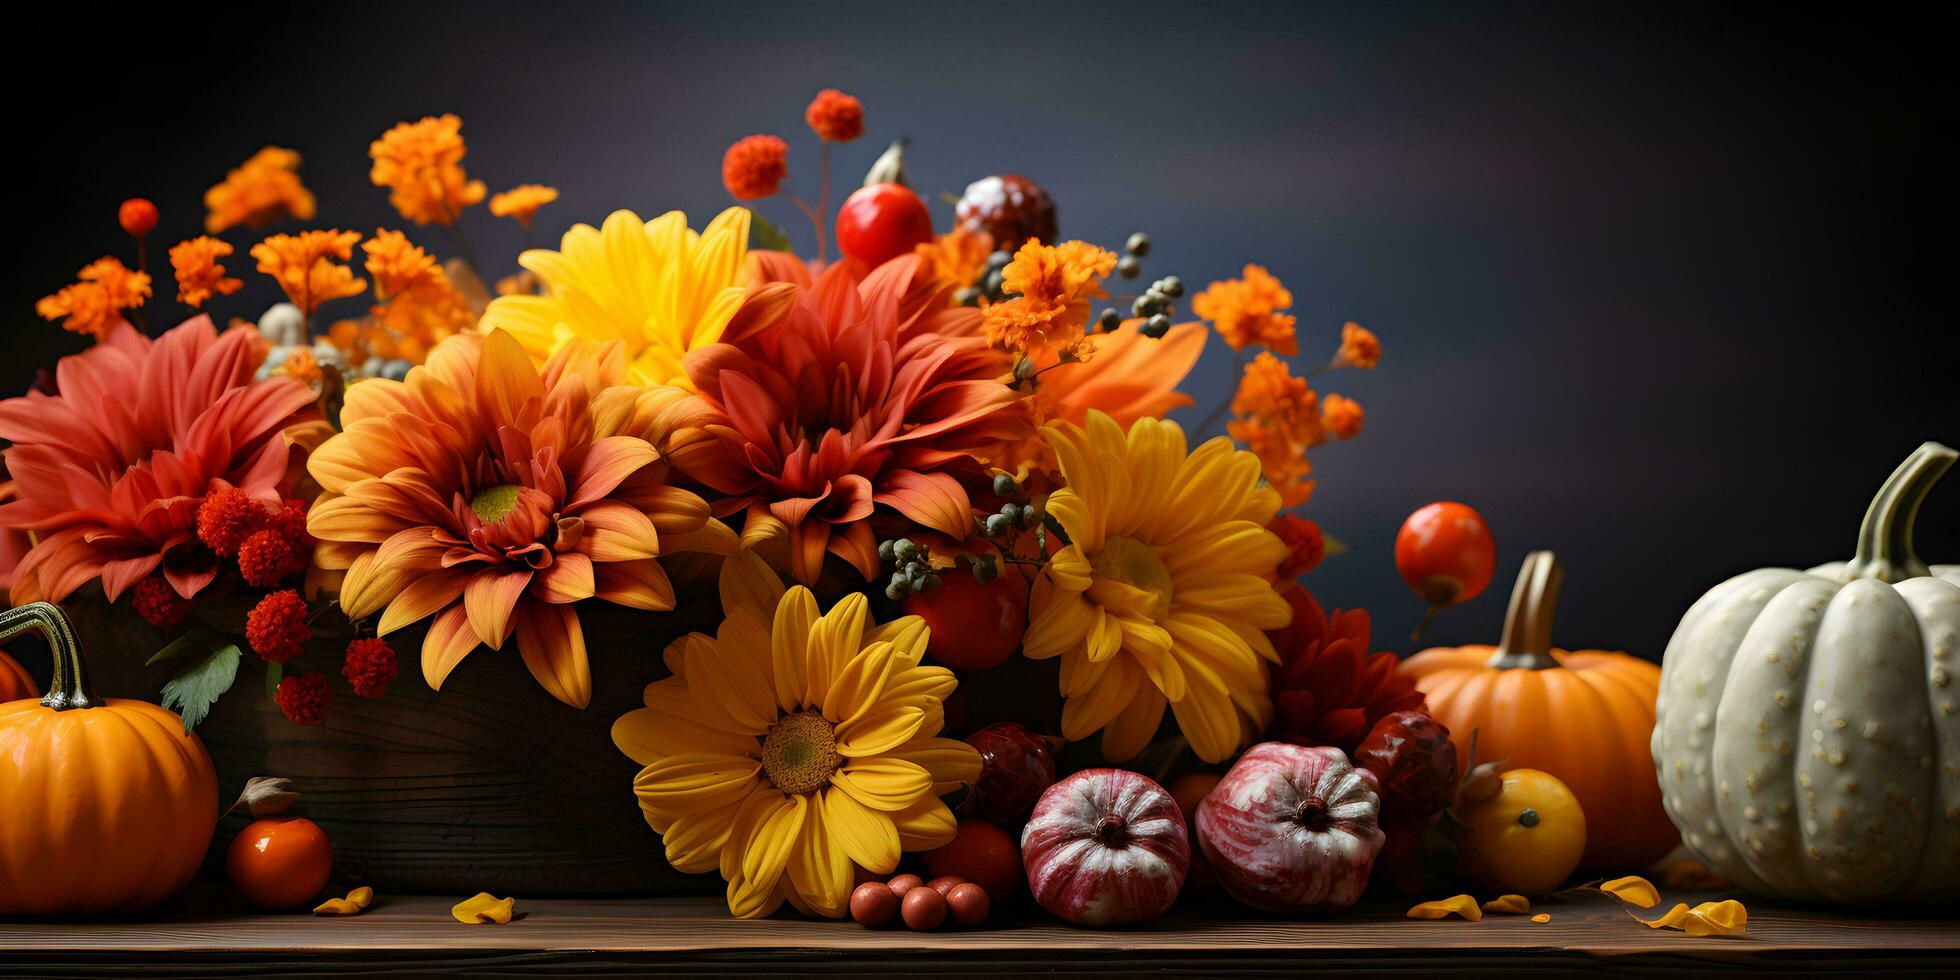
[912, 571]
[992, 284]
[1156, 304]
[1017, 514]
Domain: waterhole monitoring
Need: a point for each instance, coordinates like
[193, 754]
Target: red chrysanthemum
[159, 604]
[1328, 689]
[276, 627]
[370, 665]
[227, 517]
[839, 404]
[1305, 545]
[111, 472]
[835, 116]
[267, 557]
[304, 698]
[755, 166]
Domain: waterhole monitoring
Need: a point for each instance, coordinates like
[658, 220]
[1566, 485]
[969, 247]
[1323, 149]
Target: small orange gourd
[14, 682]
[1584, 716]
[106, 805]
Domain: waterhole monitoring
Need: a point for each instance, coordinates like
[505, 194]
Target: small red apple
[1106, 847]
[1292, 829]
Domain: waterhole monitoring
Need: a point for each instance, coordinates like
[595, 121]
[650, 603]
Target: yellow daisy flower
[791, 745]
[656, 286]
[1165, 590]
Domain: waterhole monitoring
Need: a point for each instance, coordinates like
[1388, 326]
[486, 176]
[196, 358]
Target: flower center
[800, 753]
[1134, 564]
[493, 503]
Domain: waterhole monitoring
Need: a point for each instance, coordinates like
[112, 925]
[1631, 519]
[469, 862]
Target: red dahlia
[276, 627]
[1328, 689]
[304, 698]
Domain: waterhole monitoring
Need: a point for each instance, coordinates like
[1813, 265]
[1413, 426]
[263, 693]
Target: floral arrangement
[941, 449]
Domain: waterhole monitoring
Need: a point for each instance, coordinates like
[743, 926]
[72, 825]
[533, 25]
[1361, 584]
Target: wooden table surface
[200, 935]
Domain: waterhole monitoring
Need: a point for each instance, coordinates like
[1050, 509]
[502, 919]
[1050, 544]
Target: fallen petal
[484, 908]
[1508, 905]
[1458, 905]
[1633, 890]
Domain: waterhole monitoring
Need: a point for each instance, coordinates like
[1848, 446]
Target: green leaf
[764, 234]
[198, 641]
[274, 673]
[199, 683]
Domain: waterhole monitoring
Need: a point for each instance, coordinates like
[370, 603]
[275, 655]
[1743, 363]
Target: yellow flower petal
[1633, 890]
[362, 896]
[819, 872]
[1542, 917]
[1724, 918]
[869, 838]
[484, 909]
[883, 783]
[337, 906]
[1508, 905]
[1458, 905]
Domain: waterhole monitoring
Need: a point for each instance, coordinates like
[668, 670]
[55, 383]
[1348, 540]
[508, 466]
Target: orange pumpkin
[109, 804]
[1585, 716]
[14, 682]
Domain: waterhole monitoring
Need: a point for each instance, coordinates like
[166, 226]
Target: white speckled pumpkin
[1808, 733]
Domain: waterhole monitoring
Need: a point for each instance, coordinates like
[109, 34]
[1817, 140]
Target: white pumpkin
[1807, 736]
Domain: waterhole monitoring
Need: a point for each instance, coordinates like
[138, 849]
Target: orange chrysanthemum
[522, 202]
[419, 306]
[421, 164]
[755, 166]
[835, 116]
[1359, 347]
[817, 410]
[200, 275]
[492, 495]
[1277, 417]
[1341, 416]
[1249, 311]
[399, 266]
[301, 366]
[94, 305]
[260, 191]
[305, 266]
[1053, 285]
[110, 473]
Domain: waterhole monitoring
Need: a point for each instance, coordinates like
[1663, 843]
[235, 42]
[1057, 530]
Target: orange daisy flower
[421, 164]
[304, 266]
[1359, 347]
[1341, 416]
[1053, 286]
[262, 190]
[522, 202]
[490, 496]
[199, 274]
[94, 305]
[1249, 311]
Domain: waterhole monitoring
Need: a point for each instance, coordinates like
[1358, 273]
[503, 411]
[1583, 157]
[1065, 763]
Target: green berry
[1138, 245]
[998, 525]
[1171, 286]
[1004, 485]
[1128, 267]
[885, 551]
[1110, 319]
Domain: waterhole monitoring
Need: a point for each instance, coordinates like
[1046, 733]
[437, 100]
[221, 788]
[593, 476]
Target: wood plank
[203, 935]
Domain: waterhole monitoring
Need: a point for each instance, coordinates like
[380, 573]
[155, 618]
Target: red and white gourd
[1106, 847]
[1292, 829]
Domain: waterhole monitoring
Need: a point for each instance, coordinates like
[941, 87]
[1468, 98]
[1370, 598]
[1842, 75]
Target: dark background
[1666, 288]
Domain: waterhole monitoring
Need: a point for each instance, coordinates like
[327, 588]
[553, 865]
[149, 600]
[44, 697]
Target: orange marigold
[260, 191]
[304, 266]
[94, 304]
[957, 258]
[1359, 347]
[522, 202]
[1249, 311]
[835, 116]
[421, 164]
[398, 265]
[1277, 417]
[301, 366]
[199, 274]
[755, 166]
[1053, 285]
[1341, 416]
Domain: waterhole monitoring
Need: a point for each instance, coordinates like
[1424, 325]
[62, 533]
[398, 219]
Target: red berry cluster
[370, 666]
[276, 627]
[270, 545]
[304, 698]
[159, 604]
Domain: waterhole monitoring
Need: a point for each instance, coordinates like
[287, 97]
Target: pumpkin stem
[1527, 640]
[69, 688]
[1885, 538]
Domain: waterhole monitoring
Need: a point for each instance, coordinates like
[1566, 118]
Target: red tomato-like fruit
[1446, 554]
[975, 625]
[882, 222]
[1106, 847]
[1412, 757]
[1292, 829]
[280, 862]
[982, 853]
[1016, 767]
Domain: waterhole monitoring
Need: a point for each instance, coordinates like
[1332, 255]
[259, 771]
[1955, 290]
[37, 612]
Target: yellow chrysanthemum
[1165, 590]
[656, 286]
[792, 745]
